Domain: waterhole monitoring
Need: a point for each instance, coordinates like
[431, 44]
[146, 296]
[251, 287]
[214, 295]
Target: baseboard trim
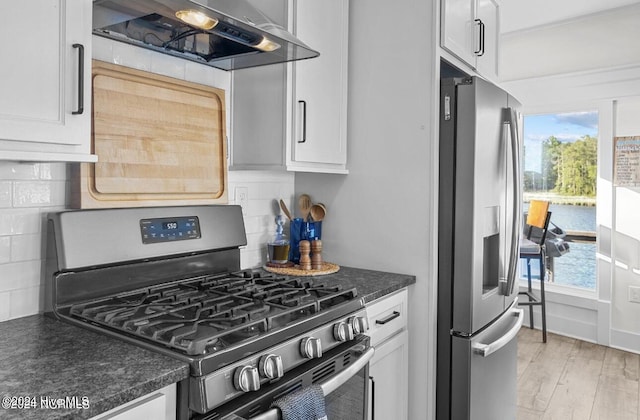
[625, 340]
[567, 327]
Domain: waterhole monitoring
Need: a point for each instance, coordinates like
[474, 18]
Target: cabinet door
[159, 405]
[458, 29]
[40, 80]
[320, 84]
[259, 97]
[389, 371]
[151, 408]
[488, 13]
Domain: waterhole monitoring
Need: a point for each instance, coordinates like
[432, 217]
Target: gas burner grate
[210, 313]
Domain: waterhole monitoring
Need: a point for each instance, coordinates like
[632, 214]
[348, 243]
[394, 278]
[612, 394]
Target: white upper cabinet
[45, 107]
[458, 28]
[294, 116]
[488, 12]
[470, 30]
[320, 87]
[258, 103]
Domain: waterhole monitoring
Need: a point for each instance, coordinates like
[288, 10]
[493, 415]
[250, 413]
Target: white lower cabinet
[388, 372]
[389, 368]
[159, 405]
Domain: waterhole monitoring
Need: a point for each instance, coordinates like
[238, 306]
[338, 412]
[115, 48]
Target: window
[560, 165]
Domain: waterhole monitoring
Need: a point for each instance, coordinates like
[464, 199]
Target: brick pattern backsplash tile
[19, 221]
[5, 194]
[5, 306]
[5, 249]
[38, 193]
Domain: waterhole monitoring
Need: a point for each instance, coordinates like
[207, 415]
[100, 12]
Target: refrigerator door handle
[512, 121]
[486, 349]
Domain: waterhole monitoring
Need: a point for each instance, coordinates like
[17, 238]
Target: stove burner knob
[271, 366]
[311, 347]
[246, 379]
[343, 332]
[360, 324]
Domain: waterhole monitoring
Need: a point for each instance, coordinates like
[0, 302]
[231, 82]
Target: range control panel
[169, 229]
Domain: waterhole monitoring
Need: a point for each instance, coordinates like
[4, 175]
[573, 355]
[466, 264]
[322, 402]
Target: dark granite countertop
[43, 357]
[370, 284]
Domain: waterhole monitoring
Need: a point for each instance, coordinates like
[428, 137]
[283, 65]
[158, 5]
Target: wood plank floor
[571, 379]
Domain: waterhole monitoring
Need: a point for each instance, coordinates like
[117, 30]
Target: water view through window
[560, 166]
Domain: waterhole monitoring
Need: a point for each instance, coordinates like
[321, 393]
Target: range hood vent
[227, 34]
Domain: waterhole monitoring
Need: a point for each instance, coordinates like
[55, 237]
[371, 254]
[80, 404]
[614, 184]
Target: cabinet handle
[373, 398]
[80, 48]
[303, 138]
[480, 51]
[482, 37]
[391, 317]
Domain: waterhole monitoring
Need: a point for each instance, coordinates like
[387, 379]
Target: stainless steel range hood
[227, 34]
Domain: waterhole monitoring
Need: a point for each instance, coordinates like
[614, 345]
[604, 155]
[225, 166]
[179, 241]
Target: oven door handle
[330, 385]
[341, 378]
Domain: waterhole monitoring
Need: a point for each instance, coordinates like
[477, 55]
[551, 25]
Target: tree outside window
[560, 155]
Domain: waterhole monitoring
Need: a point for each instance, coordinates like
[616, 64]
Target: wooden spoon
[318, 211]
[304, 204]
[285, 210]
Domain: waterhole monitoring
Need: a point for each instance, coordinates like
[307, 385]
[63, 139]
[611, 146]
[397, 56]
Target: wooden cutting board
[159, 141]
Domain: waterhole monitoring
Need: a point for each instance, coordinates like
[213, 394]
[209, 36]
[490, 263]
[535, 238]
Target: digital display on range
[170, 225]
[169, 229]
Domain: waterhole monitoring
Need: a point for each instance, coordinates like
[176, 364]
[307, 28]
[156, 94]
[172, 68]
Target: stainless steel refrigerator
[479, 228]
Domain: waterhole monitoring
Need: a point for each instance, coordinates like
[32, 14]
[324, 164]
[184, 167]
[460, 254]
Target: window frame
[553, 287]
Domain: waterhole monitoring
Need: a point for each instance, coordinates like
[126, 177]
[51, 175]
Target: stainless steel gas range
[169, 279]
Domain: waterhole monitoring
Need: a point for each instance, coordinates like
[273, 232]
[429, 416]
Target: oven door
[342, 372]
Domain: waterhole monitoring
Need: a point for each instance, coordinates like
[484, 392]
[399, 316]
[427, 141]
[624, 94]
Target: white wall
[625, 315]
[30, 190]
[381, 215]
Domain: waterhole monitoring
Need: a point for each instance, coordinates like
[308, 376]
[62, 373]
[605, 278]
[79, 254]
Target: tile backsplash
[264, 189]
[28, 191]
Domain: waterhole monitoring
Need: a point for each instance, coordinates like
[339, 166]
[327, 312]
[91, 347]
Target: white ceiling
[590, 43]
[524, 14]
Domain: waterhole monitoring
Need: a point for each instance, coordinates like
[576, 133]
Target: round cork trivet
[327, 268]
[288, 264]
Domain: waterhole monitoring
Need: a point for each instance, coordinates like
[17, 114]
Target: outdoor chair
[532, 248]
